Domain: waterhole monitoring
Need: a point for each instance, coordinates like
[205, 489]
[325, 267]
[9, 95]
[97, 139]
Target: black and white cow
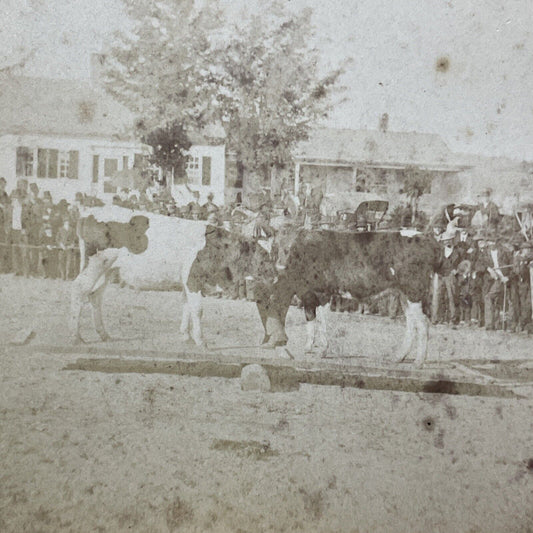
[315, 265]
[152, 250]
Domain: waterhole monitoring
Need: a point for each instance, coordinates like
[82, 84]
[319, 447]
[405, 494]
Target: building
[70, 135]
[352, 166]
[205, 170]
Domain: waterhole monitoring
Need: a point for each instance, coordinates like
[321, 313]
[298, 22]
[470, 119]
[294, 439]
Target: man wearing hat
[490, 214]
[495, 293]
[447, 282]
[521, 287]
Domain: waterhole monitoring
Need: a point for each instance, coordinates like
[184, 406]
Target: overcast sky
[482, 102]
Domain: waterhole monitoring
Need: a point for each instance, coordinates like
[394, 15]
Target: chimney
[97, 67]
[384, 123]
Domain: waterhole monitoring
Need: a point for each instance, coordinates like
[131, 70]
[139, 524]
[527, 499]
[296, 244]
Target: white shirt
[16, 222]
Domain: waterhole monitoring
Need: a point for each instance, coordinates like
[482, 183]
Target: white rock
[255, 378]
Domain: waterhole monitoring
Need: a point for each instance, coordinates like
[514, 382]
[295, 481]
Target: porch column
[296, 178]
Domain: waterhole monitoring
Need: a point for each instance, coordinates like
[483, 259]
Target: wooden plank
[287, 375]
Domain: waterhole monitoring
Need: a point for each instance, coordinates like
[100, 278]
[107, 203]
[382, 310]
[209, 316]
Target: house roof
[329, 145]
[72, 108]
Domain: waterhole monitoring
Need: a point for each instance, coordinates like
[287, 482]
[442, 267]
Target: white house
[64, 135]
[205, 170]
[70, 135]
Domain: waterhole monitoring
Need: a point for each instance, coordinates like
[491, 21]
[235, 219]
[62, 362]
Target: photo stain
[442, 64]
[428, 423]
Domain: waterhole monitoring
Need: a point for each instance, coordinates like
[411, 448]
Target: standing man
[447, 282]
[496, 281]
[18, 236]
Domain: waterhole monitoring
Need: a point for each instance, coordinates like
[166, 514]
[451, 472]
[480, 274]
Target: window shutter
[137, 160]
[206, 171]
[73, 164]
[41, 163]
[21, 152]
[125, 162]
[52, 164]
[96, 162]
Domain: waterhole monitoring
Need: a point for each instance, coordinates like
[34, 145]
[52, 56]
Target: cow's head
[226, 258]
[284, 243]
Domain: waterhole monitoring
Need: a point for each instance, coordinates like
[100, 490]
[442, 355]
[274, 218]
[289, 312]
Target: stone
[255, 378]
[22, 337]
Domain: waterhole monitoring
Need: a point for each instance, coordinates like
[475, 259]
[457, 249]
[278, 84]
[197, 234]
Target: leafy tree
[158, 70]
[184, 66]
[270, 89]
[169, 148]
[416, 183]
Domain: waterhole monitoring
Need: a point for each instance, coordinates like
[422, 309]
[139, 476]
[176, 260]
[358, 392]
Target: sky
[460, 68]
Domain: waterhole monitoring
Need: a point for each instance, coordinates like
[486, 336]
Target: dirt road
[86, 451]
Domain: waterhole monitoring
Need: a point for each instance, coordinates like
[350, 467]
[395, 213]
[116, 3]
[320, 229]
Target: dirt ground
[86, 451]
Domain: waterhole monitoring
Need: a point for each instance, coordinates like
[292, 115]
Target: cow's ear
[140, 223]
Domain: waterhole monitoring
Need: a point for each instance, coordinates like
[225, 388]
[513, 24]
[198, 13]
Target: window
[192, 168]
[24, 161]
[125, 162]
[64, 164]
[206, 171]
[110, 167]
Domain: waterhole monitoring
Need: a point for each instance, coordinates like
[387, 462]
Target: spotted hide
[154, 251]
[317, 265]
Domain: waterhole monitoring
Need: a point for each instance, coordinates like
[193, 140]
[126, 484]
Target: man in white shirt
[19, 252]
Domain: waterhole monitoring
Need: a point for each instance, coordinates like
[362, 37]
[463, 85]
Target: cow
[316, 265]
[151, 250]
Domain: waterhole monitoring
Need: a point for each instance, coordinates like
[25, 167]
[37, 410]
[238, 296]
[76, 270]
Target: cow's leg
[195, 308]
[322, 313]
[410, 330]
[95, 298]
[310, 303]
[185, 318]
[262, 297]
[422, 333]
[85, 284]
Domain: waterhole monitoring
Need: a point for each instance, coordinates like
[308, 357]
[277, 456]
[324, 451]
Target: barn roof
[68, 108]
[345, 146]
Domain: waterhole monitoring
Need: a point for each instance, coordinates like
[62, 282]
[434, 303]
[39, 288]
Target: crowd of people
[484, 280]
[485, 277]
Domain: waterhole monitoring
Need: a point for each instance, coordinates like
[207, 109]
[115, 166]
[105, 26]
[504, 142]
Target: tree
[158, 70]
[270, 89]
[186, 65]
[416, 183]
[169, 148]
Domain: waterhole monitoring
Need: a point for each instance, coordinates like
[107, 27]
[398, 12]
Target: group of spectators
[485, 277]
[163, 203]
[38, 236]
[484, 280]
